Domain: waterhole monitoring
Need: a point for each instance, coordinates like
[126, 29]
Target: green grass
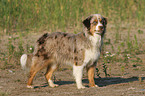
[3, 94]
[61, 14]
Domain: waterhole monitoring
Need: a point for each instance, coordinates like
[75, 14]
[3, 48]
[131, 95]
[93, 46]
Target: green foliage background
[21, 15]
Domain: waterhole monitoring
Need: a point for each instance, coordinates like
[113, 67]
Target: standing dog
[78, 50]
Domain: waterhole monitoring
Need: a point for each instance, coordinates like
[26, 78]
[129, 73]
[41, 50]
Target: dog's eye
[102, 21]
[94, 22]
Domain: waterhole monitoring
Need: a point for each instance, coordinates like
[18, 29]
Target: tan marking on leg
[50, 70]
[91, 71]
[32, 73]
[36, 66]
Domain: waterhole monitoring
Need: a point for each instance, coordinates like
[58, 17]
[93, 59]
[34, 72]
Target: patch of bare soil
[13, 83]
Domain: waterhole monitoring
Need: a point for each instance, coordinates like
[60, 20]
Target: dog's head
[95, 24]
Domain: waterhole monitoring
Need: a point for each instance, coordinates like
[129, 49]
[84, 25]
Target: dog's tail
[26, 61]
[23, 61]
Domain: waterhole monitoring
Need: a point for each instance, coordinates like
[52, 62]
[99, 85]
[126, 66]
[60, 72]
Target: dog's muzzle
[99, 31]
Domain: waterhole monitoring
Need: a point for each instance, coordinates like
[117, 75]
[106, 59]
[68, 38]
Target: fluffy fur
[78, 50]
[26, 60]
[23, 61]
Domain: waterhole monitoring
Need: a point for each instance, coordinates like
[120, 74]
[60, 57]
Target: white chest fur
[93, 53]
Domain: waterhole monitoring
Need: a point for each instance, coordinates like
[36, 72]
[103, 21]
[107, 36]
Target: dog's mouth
[98, 32]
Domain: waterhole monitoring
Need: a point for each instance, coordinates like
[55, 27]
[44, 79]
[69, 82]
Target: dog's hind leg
[32, 73]
[37, 65]
[50, 69]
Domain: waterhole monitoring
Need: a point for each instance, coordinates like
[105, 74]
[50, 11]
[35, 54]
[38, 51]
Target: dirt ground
[132, 83]
[13, 83]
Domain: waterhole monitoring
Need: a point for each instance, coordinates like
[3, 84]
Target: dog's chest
[93, 53]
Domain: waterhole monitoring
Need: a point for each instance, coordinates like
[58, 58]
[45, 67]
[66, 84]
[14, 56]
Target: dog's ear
[105, 21]
[87, 23]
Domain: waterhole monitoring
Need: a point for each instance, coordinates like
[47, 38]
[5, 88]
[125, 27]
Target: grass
[23, 17]
[3, 94]
[59, 14]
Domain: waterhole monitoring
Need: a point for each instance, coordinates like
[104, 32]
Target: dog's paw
[29, 86]
[94, 86]
[81, 87]
[53, 85]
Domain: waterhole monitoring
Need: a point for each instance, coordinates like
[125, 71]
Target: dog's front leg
[78, 73]
[91, 73]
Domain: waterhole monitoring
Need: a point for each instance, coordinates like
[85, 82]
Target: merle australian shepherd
[78, 50]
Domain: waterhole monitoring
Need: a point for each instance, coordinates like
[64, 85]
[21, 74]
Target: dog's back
[63, 47]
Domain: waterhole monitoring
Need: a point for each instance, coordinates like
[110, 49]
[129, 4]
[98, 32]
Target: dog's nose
[101, 27]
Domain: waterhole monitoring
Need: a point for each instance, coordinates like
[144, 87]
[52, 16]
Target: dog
[78, 50]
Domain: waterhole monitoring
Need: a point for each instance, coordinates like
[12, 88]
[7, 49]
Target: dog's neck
[95, 38]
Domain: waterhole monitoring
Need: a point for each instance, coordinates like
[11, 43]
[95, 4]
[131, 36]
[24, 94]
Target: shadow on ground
[115, 80]
[57, 82]
[101, 82]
